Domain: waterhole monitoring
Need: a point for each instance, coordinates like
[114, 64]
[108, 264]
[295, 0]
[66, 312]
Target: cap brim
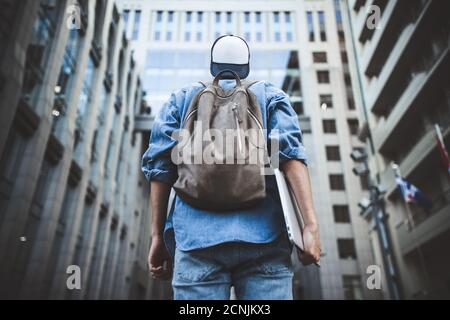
[242, 70]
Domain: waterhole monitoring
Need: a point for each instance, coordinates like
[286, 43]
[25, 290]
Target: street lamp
[375, 206]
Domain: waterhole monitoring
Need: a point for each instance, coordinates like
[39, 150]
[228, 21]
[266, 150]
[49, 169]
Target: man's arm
[298, 177]
[159, 196]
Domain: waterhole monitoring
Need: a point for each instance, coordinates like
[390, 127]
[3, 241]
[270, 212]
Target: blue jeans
[257, 271]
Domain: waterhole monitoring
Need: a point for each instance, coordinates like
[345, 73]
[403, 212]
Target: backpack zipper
[189, 116]
[238, 120]
[255, 118]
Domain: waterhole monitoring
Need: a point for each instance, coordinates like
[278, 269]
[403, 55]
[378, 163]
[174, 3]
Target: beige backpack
[221, 149]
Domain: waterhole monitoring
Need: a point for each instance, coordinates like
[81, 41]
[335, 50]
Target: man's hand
[298, 178]
[159, 261]
[311, 242]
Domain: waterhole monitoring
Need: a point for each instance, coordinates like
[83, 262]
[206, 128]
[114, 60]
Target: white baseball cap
[230, 52]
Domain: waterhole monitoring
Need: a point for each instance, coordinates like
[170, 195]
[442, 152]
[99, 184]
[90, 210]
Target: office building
[400, 54]
[296, 45]
[72, 196]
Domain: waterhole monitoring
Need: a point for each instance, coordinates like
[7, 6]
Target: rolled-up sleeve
[283, 126]
[156, 161]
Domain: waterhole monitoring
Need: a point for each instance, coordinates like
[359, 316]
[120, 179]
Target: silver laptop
[291, 211]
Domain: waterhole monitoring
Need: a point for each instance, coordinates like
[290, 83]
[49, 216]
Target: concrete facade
[172, 40]
[71, 188]
[403, 65]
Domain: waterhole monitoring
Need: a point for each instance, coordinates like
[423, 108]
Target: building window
[353, 126]
[276, 17]
[352, 287]
[337, 182]
[289, 36]
[277, 37]
[170, 26]
[65, 78]
[287, 17]
[84, 102]
[326, 101]
[200, 17]
[323, 77]
[187, 33]
[258, 17]
[320, 57]
[100, 12]
[364, 181]
[258, 26]
[344, 57]
[158, 26]
[347, 80]
[346, 248]
[333, 153]
[38, 50]
[351, 104]
[43, 185]
[341, 214]
[310, 22]
[329, 126]
[288, 26]
[126, 16]
[276, 26]
[98, 131]
[298, 107]
[247, 17]
[323, 33]
[137, 21]
[159, 15]
[229, 25]
[247, 34]
[229, 17]
[199, 36]
[218, 26]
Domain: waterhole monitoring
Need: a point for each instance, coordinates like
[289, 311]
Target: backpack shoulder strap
[205, 83]
[247, 84]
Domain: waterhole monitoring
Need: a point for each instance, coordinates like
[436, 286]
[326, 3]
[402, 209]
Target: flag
[442, 149]
[412, 194]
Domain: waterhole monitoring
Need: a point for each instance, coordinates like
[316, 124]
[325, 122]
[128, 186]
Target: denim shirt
[191, 228]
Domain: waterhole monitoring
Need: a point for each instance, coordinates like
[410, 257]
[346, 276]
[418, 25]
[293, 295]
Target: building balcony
[372, 58]
[305, 124]
[365, 33]
[402, 54]
[360, 15]
[429, 227]
[386, 136]
[356, 4]
[413, 159]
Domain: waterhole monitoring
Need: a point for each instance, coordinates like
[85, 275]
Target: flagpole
[412, 225]
[442, 149]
